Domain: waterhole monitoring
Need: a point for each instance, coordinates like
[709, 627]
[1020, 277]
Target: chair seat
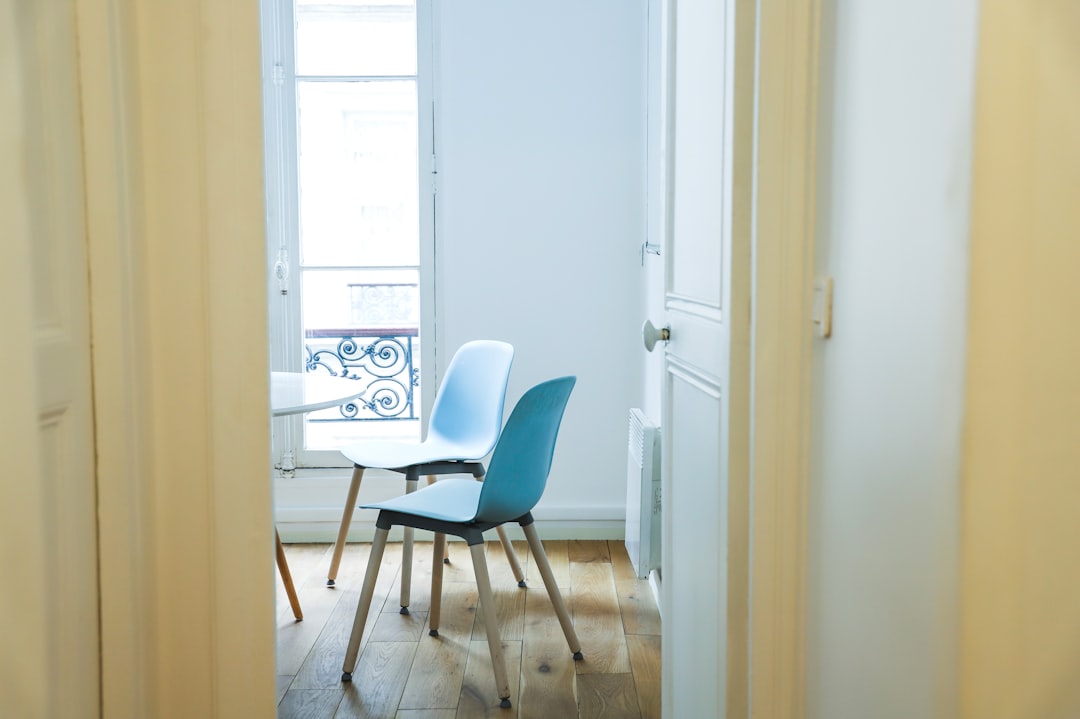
[450, 500]
[393, 455]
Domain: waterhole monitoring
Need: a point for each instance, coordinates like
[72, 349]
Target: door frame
[789, 57]
[766, 663]
[171, 105]
[209, 651]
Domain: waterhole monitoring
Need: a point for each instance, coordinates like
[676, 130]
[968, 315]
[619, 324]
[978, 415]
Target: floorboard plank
[540, 621]
[377, 683]
[548, 676]
[509, 613]
[620, 560]
[637, 607]
[594, 606]
[296, 639]
[479, 698]
[607, 696]
[439, 667]
[305, 561]
[322, 668]
[459, 568]
[636, 601]
[548, 680]
[309, 704]
[420, 587]
[282, 686]
[556, 551]
[645, 660]
[499, 566]
[396, 627]
[584, 551]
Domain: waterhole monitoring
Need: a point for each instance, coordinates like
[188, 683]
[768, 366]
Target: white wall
[541, 214]
[893, 208]
[652, 302]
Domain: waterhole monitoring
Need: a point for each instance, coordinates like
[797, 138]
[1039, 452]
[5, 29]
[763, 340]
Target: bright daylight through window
[344, 209]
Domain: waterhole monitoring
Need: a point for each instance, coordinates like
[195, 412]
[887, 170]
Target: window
[350, 212]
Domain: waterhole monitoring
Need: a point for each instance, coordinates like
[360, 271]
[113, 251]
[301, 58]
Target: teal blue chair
[515, 480]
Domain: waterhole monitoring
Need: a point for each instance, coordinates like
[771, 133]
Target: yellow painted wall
[1020, 596]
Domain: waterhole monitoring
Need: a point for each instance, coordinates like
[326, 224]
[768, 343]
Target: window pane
[356, 37]
[360, 300]
[359, 188]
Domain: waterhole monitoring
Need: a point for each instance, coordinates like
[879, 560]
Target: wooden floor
[403, 673]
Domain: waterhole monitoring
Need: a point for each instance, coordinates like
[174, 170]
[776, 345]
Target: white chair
[465, 423]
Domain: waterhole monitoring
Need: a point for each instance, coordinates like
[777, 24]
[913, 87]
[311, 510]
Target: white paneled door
[707, 322]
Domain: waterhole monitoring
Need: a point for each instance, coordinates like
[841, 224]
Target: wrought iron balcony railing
[382, 358]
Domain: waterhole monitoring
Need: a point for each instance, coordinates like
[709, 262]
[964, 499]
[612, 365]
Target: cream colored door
[49, 555]
[706, 308]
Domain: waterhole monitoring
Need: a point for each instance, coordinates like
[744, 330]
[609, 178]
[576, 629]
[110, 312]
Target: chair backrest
[468, 407]
[520, 465]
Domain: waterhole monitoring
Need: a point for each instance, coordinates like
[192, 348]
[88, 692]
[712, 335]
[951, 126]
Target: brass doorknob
[651, 335]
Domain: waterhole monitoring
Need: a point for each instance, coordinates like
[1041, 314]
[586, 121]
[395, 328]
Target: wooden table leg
[286, 577]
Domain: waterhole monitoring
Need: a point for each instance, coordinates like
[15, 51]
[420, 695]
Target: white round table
[299, 392]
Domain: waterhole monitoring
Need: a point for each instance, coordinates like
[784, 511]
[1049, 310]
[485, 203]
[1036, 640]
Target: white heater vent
[643, 494]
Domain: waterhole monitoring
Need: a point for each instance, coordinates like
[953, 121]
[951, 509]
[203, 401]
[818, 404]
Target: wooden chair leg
[346, 520]
[511, 556]
[435, 611]
[446, 549]
[286, 578]
[491, 625]
[362, 608]
[406, 557]
[542, 563]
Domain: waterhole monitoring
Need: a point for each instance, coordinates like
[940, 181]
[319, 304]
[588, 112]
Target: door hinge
[278, 74]
[281, 271]
[649, 248]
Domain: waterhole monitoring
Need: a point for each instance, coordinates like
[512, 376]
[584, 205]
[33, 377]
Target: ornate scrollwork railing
[381, 358]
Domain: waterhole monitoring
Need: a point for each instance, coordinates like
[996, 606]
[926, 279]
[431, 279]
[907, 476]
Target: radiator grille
[643, 494]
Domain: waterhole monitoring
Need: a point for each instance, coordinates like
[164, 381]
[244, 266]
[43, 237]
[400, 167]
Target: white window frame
[282, 224]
